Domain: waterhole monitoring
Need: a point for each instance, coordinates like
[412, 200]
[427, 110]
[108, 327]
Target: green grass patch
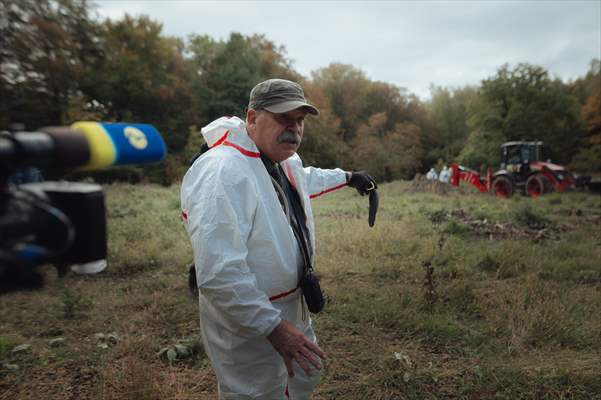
[527, 215]
[497, 317]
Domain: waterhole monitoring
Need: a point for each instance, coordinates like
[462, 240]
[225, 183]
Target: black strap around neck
[297, 215]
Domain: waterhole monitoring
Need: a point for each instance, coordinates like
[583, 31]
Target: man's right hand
[291, 344]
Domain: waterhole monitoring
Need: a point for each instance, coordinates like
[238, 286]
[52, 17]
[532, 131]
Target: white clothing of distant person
[432, 175]
[445, 175]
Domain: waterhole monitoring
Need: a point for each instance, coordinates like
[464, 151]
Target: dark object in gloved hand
[362, 182]
[374, 201]
[365, 184]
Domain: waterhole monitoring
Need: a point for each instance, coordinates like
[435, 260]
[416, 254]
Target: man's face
[278, 136]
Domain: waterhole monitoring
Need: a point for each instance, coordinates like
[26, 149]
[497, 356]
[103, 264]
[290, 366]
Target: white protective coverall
[445, 175]
[432, 175]
[248, 261]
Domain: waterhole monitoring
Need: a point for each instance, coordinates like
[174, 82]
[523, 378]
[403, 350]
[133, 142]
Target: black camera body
[83, 205]
[61, 223]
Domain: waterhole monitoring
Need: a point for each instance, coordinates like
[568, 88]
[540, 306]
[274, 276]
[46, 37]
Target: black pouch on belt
[312, 293]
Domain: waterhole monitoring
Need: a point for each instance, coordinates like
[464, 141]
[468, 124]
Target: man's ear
[251, 120]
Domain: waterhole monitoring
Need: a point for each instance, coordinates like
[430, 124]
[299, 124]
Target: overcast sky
[408, 43]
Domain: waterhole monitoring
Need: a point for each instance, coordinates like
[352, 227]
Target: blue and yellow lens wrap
[102, 149]
[121, 143]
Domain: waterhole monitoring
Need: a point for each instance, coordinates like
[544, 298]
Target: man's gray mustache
[289, 137]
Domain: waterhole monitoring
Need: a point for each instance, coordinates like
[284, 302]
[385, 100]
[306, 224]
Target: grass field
[450, 296]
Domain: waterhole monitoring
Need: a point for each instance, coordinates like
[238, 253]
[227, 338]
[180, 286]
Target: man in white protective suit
[432, 175]
[246, 203]
[445, 175]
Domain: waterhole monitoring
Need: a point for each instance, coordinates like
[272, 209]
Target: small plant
[482, 214]
[454, 227]
[190, 348]
[527, 216]
[429, 287]
[507, 271]
[72, 302]
[488, 264]
[438, 216]
[5, 346]
[462, 297]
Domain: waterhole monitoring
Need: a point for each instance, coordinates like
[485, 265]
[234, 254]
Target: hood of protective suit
[230, 131]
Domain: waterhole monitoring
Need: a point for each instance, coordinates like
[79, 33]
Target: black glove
[362, 182]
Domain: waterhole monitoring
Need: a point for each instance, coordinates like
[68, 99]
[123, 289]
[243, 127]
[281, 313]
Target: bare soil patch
[491, 230]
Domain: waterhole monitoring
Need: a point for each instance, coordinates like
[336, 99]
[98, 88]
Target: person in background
[432, 175]
[246, 205]
[445, 175]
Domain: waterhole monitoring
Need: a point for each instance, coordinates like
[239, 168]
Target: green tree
[522, 103]
[228, 79]
[225, 72]
[273, 62]
[387, 154]
[48, 51]
[389, 99]
[588, 157]
[404, 150]
[376, 120]
[144, 78]
[347, 89]
[448, 112]
[322, 145]
[583, 87]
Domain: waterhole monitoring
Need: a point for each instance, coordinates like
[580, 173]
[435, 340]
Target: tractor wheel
[537, 185]
[502, 186]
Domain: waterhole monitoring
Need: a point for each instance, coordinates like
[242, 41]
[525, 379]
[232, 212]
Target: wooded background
[59, 63]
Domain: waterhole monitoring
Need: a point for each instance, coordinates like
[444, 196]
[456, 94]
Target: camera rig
[61, 223]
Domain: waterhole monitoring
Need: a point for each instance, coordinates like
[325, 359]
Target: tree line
[59, 63]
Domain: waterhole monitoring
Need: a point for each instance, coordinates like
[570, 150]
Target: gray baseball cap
[279, 96]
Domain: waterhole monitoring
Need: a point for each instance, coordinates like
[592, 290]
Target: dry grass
[515, 317]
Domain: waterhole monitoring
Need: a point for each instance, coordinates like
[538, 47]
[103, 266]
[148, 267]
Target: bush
[454, 227]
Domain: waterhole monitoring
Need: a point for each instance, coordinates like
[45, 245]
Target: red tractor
[525, 168]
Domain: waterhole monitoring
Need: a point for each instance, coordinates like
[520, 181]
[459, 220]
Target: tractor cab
[517, 156]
